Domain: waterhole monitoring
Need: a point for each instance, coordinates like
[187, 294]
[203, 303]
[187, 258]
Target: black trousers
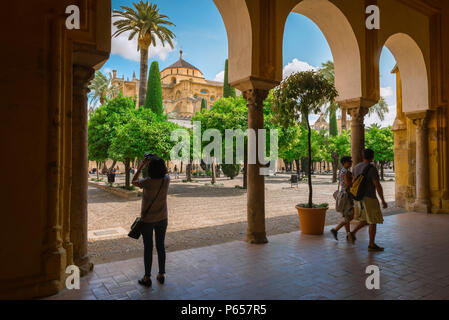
[160, 228]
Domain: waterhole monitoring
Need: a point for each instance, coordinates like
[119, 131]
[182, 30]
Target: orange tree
[297, 97]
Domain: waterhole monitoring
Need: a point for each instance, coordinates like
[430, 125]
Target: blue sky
[201, 34]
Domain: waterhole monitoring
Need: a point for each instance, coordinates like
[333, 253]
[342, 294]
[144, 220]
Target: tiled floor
[415, 265]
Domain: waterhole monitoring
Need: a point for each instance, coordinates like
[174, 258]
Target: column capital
[419, 118]
[255, 97]
[82, 76]
[358, 114]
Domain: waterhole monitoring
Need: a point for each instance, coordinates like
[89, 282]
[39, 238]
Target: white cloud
[386, 92]
[107, 71]
[128, 49]
[220, 76]
[297, 66]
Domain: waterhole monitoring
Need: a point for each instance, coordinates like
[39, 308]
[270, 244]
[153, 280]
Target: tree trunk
[127, 177]
[298, 170]
[334, 167]
[213, 172]
[105, 168]
[112, 167]
[382, 171]
[98, 170]
[309, 174]
[180, 170]
[189, 172]
[143, 76]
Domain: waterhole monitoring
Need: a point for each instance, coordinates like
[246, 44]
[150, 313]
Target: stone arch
[414, 76]
[343, 44]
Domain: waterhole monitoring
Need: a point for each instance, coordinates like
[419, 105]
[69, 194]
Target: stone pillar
[256, 182]
[343, 119]
[357, 133]
[422, 202]
[78, 213]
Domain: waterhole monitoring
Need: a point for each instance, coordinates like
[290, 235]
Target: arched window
[212, 98]
[204, 91]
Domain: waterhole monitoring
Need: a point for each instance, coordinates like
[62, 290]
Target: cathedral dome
[182, 64]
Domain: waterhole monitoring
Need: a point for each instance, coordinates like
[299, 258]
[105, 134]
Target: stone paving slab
[415, 265]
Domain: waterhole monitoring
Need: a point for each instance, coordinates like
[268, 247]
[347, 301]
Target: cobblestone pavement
[202, 215]
[292, 266]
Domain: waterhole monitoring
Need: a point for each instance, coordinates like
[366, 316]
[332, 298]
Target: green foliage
[154, 92]
[381, 140]
[228, 91]
[203, 104]
[333, 130]
[341, 144]
[380, 109]
[231, 170]
[103, 124]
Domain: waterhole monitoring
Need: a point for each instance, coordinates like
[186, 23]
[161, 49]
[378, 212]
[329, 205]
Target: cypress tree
[203, 105]
[154, 90]
[228, 91]
[333, 130]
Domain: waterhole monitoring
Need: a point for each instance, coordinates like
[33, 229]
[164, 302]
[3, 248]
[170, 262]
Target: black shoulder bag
[136, 227]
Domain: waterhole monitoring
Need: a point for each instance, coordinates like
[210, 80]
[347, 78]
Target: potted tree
[298, 96]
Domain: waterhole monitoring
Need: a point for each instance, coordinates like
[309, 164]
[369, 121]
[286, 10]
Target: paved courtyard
[414, 265]
[202, 215]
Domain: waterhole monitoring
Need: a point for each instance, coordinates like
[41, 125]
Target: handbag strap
[154, 200]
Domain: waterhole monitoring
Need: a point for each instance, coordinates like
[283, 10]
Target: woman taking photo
[154, 214]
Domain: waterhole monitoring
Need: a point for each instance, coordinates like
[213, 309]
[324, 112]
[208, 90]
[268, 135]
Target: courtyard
[203, 215]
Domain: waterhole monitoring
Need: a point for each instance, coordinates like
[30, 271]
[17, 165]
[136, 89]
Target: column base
[85, 266]
[256, 237]
[422, 206]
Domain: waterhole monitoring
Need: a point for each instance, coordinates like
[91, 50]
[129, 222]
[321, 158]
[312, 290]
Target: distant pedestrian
[370, 211]
[176, 172]
[345, 204]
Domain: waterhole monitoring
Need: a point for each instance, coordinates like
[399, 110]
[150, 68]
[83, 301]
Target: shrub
[231, 170]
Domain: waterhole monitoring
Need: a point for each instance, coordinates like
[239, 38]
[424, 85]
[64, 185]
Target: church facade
[183, 89]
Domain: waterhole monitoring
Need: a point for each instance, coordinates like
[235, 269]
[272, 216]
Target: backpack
[358, 189]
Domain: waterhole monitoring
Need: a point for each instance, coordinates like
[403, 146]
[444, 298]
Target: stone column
[357, 132]
[343, 119]
[78, 213]
[256, 182]
[422, 202]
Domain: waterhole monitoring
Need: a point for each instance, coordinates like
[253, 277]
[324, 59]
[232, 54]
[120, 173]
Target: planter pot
[312, 220]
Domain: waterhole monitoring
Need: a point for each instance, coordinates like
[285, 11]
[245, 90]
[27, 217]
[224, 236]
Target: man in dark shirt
[370, 212]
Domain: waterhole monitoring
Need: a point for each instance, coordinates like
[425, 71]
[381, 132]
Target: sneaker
[335, 234]
[375, 248]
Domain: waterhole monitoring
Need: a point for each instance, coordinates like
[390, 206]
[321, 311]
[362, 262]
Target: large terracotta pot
[312, 220]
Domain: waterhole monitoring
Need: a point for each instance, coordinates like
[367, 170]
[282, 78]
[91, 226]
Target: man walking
[370, 212]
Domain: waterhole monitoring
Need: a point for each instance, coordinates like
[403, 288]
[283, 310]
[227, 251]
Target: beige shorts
[370, 211]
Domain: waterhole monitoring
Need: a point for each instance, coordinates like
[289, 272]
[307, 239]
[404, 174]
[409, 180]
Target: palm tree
[101, 89]
[380, 109]
[145, 22]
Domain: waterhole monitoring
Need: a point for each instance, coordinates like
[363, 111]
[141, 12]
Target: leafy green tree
[298, 96]
[145, 22]
[154, 91]
[228, 91]
[103, 125]
[381, 140]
